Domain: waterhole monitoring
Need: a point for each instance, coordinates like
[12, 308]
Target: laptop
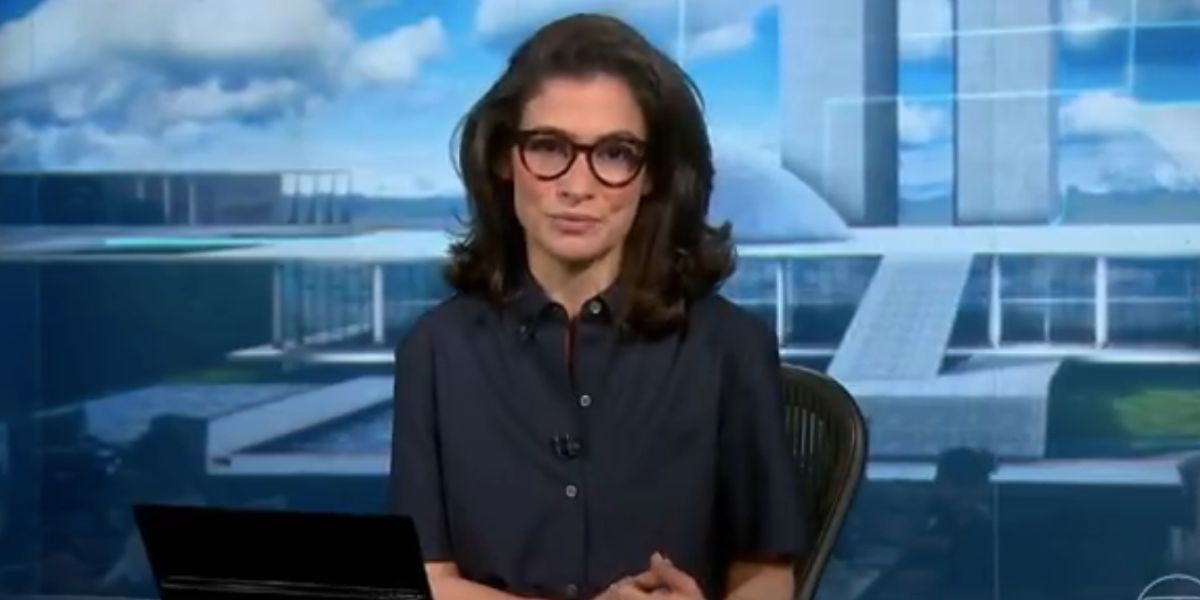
[239, 554]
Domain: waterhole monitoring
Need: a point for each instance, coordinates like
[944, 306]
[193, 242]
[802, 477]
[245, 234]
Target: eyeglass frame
[521, 136]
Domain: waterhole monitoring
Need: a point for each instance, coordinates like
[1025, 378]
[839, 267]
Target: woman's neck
[573, 285]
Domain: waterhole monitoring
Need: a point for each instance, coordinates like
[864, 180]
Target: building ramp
[903, 323]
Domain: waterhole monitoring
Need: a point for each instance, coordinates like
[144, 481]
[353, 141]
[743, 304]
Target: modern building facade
[175, 198]
[838, 112]
[1005, 112]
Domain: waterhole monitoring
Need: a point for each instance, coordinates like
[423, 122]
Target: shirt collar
[531, 302]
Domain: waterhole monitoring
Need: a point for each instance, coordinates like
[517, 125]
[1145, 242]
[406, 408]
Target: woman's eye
[547, 144]
[620, 152]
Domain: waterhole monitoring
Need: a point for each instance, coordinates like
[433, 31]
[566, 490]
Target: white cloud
[760, 138]
[495, 19]
[398, 56]
[709, 15]
[1086, 22]
[359, 7]
[85, 145]
[920, 123]
[1099, 113]
[53, 41]
[61, 38]
[721, 40]
[381, 166]
[1158, 11]
[926, 172]
[1170, 176]
[1100, 165]
[80, 46]
[72, 100]
[16, 139]
[101, 76]
[926, 28]
[209, 100]
[220, 31]
[1120, 163]
[1132, 146]
[712, 26]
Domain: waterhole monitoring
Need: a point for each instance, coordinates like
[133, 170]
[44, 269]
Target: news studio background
[983, 217]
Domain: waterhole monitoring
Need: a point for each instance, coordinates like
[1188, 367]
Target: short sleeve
[759, 488]
[416, 484]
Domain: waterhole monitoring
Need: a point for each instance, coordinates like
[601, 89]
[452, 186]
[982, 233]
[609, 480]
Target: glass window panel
[754, 280]
[823, 296]
[409, 291]
[1073, 323]
[1155, 324]
[1025, 323]
[1152, 278]
[819, 325]
[1047, 322]
[1047, 277]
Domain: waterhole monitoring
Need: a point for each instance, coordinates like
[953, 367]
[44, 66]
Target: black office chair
[828, 436]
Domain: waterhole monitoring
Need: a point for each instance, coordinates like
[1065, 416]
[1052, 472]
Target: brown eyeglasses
[614, 160]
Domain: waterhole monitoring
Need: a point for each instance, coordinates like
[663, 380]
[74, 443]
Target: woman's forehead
[584, 108]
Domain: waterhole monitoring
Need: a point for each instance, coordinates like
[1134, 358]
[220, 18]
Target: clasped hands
[662, 581]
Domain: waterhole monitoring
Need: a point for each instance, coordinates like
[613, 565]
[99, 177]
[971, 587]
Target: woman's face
[577, 205]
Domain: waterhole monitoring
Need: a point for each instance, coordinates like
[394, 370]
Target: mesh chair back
[828, 438]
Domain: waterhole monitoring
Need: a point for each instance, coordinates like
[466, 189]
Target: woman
[586, 417]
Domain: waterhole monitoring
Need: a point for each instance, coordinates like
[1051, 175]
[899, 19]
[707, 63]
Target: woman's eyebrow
[623, 134]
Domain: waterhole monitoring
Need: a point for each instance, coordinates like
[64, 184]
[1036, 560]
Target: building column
[1101, 287]
[193, 210]
[377, 298]
[837, 86]
[1005, 115]
[166, 199]
[782, 310]
[995, 308]
[277, 306]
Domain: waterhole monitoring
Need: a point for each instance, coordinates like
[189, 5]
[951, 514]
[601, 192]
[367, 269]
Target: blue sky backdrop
[376, 86]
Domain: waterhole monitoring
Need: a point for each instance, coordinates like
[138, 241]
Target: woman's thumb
[670, 574]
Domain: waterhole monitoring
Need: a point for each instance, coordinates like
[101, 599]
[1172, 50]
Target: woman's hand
[663, 581]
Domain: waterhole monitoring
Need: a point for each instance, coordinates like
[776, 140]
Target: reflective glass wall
[218, 218]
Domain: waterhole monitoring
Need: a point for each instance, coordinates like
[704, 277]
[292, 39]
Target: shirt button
[571, 491]
[585, 400]
[572, 590]
[594, 307]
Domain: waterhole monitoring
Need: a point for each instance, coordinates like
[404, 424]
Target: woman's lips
[574, 224]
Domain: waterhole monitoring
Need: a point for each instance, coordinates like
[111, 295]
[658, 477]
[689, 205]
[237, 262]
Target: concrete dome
[766, 203]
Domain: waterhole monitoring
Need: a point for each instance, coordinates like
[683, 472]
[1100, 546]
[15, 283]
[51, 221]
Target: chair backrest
[828, 436]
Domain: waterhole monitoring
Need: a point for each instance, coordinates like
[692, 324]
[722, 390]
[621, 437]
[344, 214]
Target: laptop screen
[218, 553]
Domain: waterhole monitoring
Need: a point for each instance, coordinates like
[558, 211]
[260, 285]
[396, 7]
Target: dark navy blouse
[553, 476]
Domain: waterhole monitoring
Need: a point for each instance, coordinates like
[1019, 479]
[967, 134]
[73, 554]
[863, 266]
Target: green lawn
[1115, 410]
[1157, 413]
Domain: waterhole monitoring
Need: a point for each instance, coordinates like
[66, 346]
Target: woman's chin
[577, 251]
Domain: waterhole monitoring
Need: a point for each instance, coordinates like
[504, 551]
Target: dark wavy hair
[672, 255]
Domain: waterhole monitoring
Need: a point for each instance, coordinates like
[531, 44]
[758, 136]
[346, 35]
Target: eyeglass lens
[613, 160]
